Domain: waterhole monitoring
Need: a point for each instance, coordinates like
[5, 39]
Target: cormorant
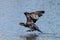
[31, 20]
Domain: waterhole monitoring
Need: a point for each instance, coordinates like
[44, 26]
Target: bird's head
[22, 24]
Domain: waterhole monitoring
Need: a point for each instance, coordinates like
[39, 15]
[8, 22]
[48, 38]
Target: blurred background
[12, 13]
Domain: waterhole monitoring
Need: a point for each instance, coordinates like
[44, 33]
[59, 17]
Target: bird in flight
[32, 17]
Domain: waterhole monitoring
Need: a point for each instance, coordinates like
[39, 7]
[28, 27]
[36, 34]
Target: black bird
[31, 20]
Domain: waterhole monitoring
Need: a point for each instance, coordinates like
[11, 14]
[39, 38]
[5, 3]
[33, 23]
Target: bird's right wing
[35, 15]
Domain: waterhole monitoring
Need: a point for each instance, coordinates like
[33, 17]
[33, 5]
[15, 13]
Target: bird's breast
[29, 22]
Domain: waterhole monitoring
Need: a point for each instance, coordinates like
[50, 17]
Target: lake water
[12, 13]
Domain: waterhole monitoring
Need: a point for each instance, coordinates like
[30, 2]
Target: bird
[32, 17]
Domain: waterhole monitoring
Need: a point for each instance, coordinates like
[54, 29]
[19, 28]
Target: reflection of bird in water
[31, 20]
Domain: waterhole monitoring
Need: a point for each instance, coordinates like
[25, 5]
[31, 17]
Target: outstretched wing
[35, 15]
[29, 21]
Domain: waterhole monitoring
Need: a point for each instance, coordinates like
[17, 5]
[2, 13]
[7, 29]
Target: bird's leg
[29, 30]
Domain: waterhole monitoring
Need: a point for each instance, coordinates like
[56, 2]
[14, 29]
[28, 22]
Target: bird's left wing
[29, 21]
[35, 15]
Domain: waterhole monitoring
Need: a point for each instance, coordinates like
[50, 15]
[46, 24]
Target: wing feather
[35, 15]
[29, 20]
